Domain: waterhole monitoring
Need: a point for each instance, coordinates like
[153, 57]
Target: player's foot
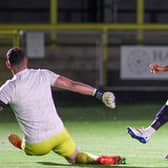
[110, 160]
[138, 134]
[15, 140]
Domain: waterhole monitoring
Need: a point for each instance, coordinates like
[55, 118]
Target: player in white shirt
[29, 95]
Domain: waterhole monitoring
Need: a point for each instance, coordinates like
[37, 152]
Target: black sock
[161, 118]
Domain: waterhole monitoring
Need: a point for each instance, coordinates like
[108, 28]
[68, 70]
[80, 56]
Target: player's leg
[66, 148]
[143, 135]
[87, 158]
[40, 148]
[69, 151]
[64, 145]
[161, 117]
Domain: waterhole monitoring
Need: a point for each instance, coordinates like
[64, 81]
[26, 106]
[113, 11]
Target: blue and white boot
[138, 134]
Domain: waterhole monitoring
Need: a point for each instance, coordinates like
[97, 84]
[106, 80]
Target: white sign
[135, 62]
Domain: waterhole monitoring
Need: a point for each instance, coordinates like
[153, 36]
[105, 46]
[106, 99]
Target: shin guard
[161, 118]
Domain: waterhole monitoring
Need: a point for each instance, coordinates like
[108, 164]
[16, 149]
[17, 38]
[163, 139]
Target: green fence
[13, 30]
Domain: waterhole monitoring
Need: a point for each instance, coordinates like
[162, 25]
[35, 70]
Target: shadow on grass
[90, 165]
[53, 164]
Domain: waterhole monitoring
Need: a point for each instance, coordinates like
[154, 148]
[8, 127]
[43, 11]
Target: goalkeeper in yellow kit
[29, 95]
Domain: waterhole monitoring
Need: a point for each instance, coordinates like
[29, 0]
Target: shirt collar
[21, 72]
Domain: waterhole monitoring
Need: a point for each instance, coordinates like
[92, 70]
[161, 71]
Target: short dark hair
[15, 56]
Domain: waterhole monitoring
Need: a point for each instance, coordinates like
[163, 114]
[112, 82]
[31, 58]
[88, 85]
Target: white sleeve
[7, 92]
[51, 76]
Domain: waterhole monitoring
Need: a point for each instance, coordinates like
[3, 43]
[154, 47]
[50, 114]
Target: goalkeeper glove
[107, 98]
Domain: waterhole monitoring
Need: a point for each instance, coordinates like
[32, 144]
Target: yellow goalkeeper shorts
[61, 144]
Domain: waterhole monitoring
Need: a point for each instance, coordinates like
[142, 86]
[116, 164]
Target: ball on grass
[166, 156]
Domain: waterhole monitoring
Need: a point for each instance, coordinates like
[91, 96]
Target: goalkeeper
[29, 95]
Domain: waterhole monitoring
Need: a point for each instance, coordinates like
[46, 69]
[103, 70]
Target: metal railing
[13, 30]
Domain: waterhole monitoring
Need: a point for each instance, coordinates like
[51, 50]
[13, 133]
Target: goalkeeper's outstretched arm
[108, 98]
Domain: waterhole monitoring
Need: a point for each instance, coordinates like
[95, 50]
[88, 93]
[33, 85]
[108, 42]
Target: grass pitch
[97, 130]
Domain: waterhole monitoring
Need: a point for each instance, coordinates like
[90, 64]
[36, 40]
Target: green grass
[98, 131]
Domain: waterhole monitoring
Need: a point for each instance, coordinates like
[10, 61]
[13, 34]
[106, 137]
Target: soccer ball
[166, 156]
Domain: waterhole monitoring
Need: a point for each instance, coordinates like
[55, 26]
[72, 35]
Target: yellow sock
[85, 158]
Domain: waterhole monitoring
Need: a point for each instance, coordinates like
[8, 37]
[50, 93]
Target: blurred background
[108, 44]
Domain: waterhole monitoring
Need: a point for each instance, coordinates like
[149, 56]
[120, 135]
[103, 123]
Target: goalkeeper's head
[15, 58]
